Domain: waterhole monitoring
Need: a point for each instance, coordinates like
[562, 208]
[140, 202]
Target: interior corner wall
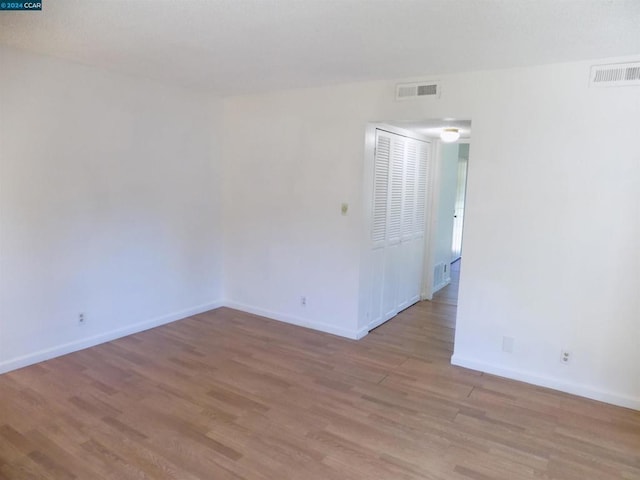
[290, 163]
[108, 206]
[551, 224]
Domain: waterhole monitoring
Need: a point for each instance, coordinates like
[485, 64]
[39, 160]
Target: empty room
[320, 239]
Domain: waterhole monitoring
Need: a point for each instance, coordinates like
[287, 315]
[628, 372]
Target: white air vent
[407, 91]
[615, 75]
[439, 276]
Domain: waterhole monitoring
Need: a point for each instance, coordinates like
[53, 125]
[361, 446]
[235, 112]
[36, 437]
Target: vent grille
[407, 91]
[615, 75]
[439, 279]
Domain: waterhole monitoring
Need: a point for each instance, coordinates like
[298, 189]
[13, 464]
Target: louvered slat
[421, 193]
[380, 189]
[394, 222]
[409, 200]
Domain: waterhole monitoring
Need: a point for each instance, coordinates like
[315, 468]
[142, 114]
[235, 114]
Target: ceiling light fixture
[449, 135]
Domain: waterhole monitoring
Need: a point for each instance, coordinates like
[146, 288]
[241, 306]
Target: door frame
[428, 282]
[465, 141]
[366, 263]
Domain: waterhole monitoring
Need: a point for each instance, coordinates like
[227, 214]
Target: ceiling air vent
[615, 75]
[407, 91]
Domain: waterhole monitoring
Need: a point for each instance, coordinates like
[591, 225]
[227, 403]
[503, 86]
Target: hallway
[449, 294]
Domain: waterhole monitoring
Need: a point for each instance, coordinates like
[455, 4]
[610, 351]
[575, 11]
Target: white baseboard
[63, 349]
[363, 332]
[426, 296]
[58, 350]
[301, 322]
[549, 382]
[440, 286]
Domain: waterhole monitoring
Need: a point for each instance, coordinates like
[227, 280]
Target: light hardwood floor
[227, 395]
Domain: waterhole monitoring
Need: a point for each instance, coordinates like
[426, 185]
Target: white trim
[549, 382]
[403, 132]
[65, 348]
[376, 324]
[364, 292]
[70, 347]
[301, 322]
[440, 286]
[431, 221]
[361, 333]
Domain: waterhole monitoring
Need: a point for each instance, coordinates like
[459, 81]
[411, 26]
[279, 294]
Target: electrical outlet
[507, 344]
[565, 357]
[303, 301]
[81, 319]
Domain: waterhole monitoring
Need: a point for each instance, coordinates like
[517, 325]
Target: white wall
[287, 170]
[108, 206]
[551, 232]
[552, 229]
[447, 187]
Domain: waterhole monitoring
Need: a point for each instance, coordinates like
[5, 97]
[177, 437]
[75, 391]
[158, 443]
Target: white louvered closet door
[398, 223]
[393, 250]
[379, 220]
[417, 237]
[406, 263]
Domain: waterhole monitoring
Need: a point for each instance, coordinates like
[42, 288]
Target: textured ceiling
[238, 46]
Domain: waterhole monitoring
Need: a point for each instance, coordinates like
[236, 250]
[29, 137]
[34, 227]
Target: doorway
[401, 163]
[384, 272]
[461, 194]
[452, 160]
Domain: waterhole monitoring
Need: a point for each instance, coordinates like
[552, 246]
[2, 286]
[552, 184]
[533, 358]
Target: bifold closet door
[386, 224]
[398, 223]
[413, 222]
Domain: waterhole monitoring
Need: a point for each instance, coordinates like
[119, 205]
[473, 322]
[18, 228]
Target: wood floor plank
[229, 395]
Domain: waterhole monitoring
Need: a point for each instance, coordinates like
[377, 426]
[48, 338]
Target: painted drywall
[447, 170]
[110, 194]
[287, 171]
[108, 206]
[551, 227]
